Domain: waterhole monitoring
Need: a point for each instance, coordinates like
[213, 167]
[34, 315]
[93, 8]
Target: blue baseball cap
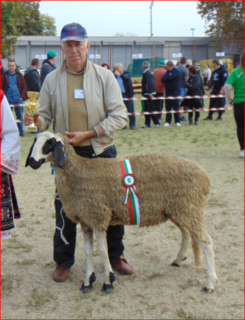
[73, 31]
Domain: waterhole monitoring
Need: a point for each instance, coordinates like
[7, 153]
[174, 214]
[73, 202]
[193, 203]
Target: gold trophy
[32, 105]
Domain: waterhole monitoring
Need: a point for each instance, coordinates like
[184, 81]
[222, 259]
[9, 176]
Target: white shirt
[10, 140]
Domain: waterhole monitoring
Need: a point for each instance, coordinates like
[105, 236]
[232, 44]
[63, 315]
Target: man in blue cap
[86, 104]
[48, 65]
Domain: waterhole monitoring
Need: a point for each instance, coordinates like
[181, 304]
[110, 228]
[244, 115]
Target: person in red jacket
[160, 87]
[14, 86]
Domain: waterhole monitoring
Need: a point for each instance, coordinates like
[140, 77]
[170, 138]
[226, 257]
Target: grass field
[155, 290]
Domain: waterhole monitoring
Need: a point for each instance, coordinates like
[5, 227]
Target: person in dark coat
[14, 86]
[171, 80]
[48, 65]
[32, 76]
[148, 90]
[126, 86]
[193, 86]
[218, 79]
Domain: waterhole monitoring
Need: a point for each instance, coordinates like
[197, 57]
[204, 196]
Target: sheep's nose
[36, 164]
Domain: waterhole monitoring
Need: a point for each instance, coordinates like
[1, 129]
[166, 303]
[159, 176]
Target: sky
[106, 18]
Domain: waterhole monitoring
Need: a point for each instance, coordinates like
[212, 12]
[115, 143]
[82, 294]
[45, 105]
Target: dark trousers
[64, 255]
[150, 106]
[216, 103]
[130, 106]
[239, 118]
[19, 113]
[159, 104]
[197, 113]
[172, 104]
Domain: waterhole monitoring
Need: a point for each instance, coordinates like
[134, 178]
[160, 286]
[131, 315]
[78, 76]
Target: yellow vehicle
[228, 64]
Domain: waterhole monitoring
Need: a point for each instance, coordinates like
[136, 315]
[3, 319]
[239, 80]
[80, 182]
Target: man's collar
[146, 70]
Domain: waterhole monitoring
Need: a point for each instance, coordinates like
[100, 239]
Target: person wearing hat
[48, 65]
[85, 102]
[18, 67]
[160, 87]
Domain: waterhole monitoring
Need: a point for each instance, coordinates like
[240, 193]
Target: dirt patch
[155, 290]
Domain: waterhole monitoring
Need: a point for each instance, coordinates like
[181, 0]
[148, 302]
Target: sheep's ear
[59, 157]
[30, 152]
[49, 146]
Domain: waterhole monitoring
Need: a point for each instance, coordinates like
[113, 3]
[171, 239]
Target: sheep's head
[47, 147]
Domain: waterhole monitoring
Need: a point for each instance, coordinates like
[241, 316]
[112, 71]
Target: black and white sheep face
[47, 147]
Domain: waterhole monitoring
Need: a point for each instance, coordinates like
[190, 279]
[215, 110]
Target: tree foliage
[22, 18]
[224, 21]
[128, 34]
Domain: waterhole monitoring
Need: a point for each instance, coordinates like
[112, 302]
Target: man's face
[119, 68]
[54, 58]
[75, 52]
[169, 68]
[215, 65]
[11, 67]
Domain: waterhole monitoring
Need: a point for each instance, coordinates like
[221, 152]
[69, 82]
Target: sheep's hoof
[185, 258]
[92, 279]
[175, 265]
[208, 290]
[109, 287]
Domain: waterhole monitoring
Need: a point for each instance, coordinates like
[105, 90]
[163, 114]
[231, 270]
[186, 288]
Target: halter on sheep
[179, 192]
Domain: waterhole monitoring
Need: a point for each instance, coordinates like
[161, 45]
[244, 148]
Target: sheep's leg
[207, 247]
[102, 247]
[181, 256]
[88, 246]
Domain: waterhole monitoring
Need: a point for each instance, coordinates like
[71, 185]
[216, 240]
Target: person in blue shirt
[126, 86]
[14, 86]
[171, 80]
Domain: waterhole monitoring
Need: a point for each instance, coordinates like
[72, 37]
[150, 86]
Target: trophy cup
[32, 105]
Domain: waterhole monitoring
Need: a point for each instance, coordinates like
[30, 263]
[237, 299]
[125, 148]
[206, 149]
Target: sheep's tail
[197, 251]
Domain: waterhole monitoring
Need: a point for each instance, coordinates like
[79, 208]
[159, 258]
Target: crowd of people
[85, 101]
[15, 86]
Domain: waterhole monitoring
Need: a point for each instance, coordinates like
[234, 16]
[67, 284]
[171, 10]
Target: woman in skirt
[10, 150]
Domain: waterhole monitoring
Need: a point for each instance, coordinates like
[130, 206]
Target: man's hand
[77, 137]
[118, 73]
[221, 91]
[28, 119]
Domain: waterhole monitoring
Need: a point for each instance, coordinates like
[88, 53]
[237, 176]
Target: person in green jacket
[236, 81]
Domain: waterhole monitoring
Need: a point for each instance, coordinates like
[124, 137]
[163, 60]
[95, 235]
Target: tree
[22, 18]
[224, 21]
[128, 34]
[48, 25]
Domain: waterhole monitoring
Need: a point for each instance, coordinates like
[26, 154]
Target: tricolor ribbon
[129, 181]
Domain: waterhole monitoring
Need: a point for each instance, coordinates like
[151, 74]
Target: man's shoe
[196, 123]
[121, 265]
[132, 128]
[145, 126]
[22, 134]
[178, 124]
[218, 119]
[208, 118]
[241, 154]
[182, 119]
[157, 126]
[166, 124]
[61, 274]
[190, 121]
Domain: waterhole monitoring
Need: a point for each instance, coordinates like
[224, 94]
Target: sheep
[170, 188]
